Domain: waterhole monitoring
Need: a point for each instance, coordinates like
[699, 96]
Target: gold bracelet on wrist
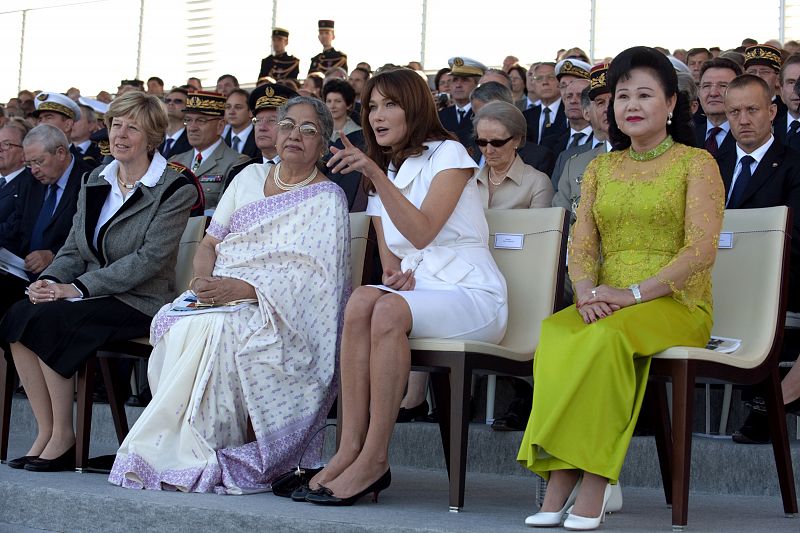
[191, 283]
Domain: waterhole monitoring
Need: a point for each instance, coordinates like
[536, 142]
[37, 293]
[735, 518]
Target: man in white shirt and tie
[176, 140]
[457, 118]
[238, 116]
[573, 77]
[786, 126]
[714, 132]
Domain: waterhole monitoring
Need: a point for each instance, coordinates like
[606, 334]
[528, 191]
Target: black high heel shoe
[65, 461]
[324, 495]
[412, 413]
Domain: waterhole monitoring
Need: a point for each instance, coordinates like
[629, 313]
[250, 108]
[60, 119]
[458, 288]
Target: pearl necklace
[124, 185]
[282, 185]
[504, 174]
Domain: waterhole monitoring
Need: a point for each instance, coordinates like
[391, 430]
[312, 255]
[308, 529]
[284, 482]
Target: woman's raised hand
[351, 159]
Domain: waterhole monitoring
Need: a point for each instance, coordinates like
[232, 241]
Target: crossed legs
[50, 396]
[375, 362]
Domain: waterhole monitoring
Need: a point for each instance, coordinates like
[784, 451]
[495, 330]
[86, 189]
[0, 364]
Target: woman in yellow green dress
[641, 255]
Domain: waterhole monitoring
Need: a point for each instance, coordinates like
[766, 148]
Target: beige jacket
[524, 187]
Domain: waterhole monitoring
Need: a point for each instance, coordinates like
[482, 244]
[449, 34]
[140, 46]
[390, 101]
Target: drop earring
[669, 119]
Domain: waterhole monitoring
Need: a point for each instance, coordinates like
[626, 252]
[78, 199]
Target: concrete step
[719, 466]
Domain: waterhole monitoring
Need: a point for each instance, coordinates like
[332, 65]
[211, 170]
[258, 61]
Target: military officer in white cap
[573, 78]
[458, 118]
[57, 110]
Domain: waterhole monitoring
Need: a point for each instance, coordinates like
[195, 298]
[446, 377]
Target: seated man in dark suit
[458, 118]
[786, 126]
[547, 122]
[238, 116]
[714, 133]
[12, 174]
[760, 172]
[573, 77]
[45, 206]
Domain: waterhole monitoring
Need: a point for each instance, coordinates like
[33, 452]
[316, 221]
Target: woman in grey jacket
[116, 269]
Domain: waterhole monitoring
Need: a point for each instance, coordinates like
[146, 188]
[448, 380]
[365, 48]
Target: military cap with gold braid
[205, 103]
[464, 67]
[763, 54]
[597, 80]
[573, 67]
[269, 96]
[280, 32]
[57, 103]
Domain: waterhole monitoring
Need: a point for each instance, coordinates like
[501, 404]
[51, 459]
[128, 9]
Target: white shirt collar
[466, 107]
[177, 134]
[207, 152]
[13, 175]
[276, 159]
[244, 134]
[726, 127]
[756, 154]
[83, 146]
[586, 132]
[150, 178]
[553, 108]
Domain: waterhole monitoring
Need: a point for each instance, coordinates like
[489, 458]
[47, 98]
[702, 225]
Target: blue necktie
[741, 182]
[45, 214]
[168, 146]
[793, 137]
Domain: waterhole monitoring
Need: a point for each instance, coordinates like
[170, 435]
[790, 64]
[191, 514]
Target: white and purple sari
[274, 362]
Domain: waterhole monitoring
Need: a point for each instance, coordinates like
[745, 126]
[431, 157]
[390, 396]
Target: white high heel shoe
[615, 500]
[553, 519]
[587, 523]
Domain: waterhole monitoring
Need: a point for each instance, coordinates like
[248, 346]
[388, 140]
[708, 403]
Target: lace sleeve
[584, 247]
[688, 274]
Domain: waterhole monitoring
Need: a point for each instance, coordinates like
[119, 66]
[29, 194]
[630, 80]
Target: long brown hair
[408, 90]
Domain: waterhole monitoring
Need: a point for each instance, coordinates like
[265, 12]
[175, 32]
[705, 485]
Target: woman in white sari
[280, 235]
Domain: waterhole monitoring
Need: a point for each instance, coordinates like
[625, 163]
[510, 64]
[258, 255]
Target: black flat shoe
[409, 415]
[300, 493]
[64, 462]
[324, 495]
[20, 462]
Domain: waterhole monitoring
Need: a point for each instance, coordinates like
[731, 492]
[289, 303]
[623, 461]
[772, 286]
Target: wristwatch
[637, 294]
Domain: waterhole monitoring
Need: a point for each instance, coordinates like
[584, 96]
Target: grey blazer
[136, 250]
[569, 185]
[213, 171]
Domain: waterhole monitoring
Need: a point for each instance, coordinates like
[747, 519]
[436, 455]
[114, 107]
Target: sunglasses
[497, 143]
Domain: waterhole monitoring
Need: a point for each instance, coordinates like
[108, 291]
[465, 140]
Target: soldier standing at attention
[329, 57]
[279, 65]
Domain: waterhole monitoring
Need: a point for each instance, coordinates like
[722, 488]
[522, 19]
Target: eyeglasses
[174, 101]
[497, 143]
[546, 77]
[268, 121]
[36, 163]
[6, 145]
[306, 130]
[198, 121]
[721, 86]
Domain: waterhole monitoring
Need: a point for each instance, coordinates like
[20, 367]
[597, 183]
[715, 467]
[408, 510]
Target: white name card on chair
[725, 239]
[510, 241]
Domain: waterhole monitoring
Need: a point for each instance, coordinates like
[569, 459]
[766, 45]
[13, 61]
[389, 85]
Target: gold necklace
[282, 185]
[124, 185]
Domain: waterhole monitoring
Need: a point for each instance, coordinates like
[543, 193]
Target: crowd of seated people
[95, 193]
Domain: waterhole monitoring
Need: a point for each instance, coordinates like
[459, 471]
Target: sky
[93, 44]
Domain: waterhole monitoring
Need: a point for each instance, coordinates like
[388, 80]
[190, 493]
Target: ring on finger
[594, 293]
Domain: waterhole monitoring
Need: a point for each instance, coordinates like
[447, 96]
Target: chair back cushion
[534, 274]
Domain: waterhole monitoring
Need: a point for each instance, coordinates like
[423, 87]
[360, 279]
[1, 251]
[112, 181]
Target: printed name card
[509, 241]
[725, 239]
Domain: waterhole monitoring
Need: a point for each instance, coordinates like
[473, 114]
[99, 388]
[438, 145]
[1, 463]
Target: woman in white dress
[279, 237]
[439, 278]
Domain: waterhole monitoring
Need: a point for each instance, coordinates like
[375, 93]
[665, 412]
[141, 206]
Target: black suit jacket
[9, 213]
[178, 147]
[728, 142]
[776, 181]
[250, 149]
[31, 198]
[449, 119]
[538, 157]
[556, 136]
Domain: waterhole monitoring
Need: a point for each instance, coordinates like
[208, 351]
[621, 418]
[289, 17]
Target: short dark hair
[695, 51]
[181, 89]
[749, 41]
[438, 77]
[721, 62]
[157, 79]
[342, 87]
[793, 59]
[750, 79]
[241, 92]
[231, 76]
[681, 129]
